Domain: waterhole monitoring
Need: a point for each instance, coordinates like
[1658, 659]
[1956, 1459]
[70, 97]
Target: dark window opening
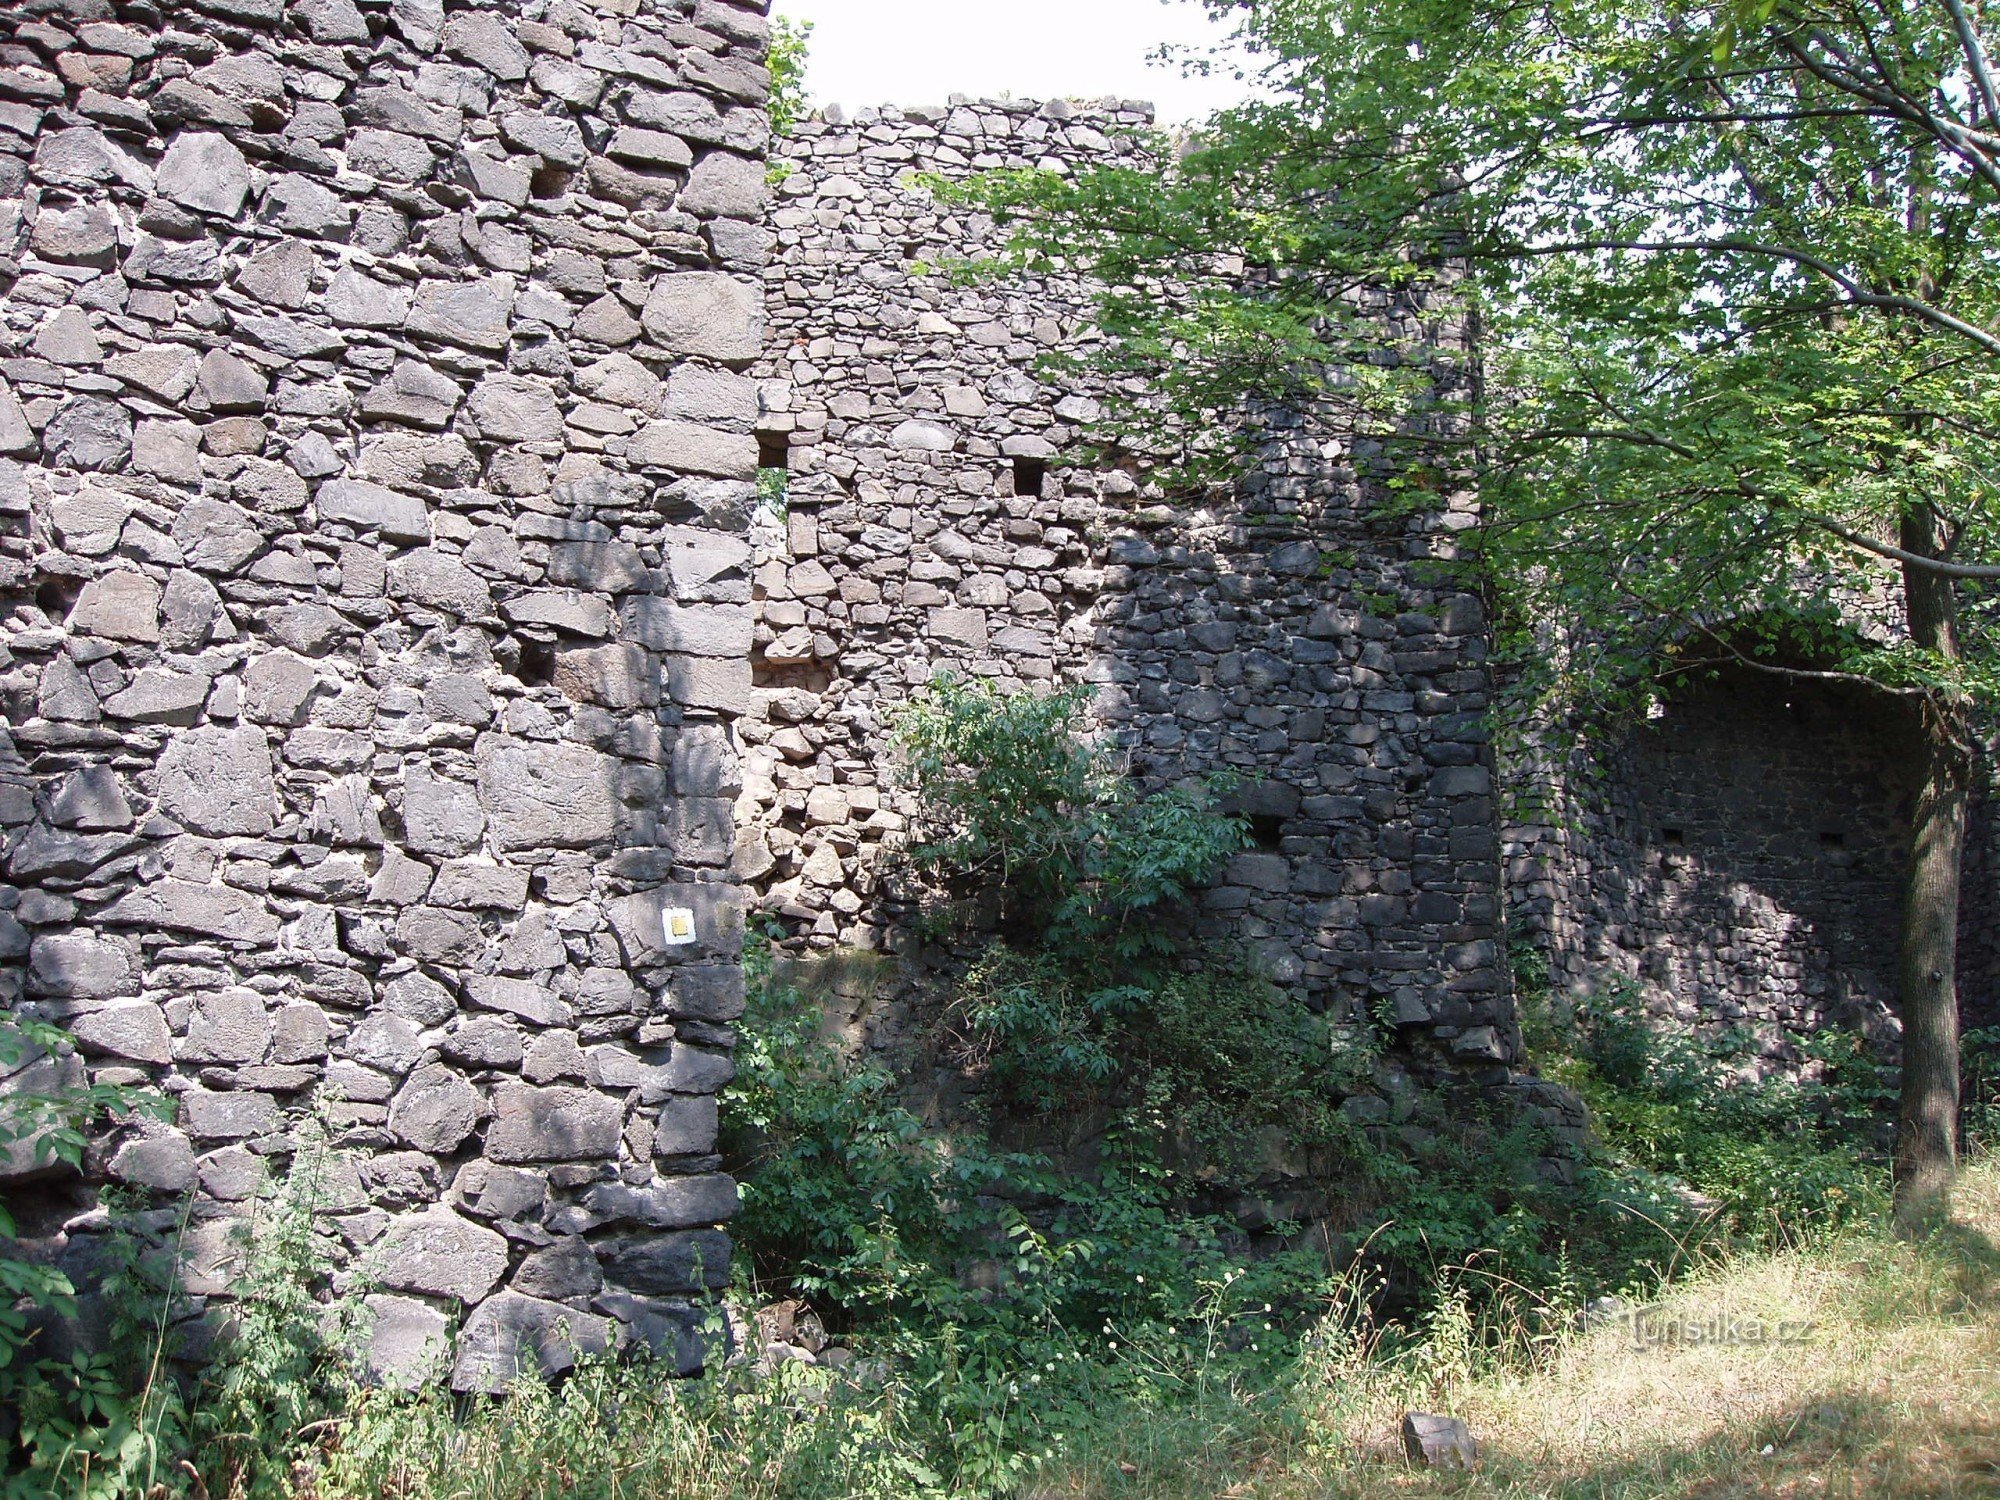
[537, 666]
[774, 479]
[57, 597]
[1267, 829]
[913, 250]
[1028, 476]
[1830, 841]
[548, 181]
[1673, 838]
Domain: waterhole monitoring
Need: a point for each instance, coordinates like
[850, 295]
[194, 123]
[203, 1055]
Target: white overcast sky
[867, 52]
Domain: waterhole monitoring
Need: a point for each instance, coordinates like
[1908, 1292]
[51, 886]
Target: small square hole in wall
[913, 250]
[537, 666]
[57, 597]
[1267, 830]
[1673, 838]
[773, 452]
[1028, 476]
[1831, 840]
[548, 181]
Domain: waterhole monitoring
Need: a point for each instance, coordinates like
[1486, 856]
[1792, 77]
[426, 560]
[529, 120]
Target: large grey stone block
[694, 448]
[204, 171]
[372, 507]
[210, 1116]
[440, 816]
[435, 1110]
[218, 781]
[509, 1335]
[231, 1025]
[706, 314]
[440, 1254]
[81, 967]
[723, 183]
[540, 796]
[668, 1203]
[132, 1029]
[475, 314]
[123, 605]
[408, 1341]
[553, 1124]
[668, 1265]
[162, 1161]
[219, 911]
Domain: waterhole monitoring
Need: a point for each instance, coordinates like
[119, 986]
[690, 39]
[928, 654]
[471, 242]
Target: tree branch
[1975, 57]
[1912, 559]
[1857, 294]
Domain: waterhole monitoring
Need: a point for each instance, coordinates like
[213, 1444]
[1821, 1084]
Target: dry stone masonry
[941, 519]
[1739, 861]
[402, 682]
[376, 457]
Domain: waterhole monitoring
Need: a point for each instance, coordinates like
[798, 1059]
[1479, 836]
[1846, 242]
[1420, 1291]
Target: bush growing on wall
[1769, 1157]
[93, 1404]
[1091, 1012]
[84, 1421]
[851, 1198]
[1014, 799]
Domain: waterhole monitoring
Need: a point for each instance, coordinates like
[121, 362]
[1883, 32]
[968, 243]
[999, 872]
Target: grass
[1883, 1380]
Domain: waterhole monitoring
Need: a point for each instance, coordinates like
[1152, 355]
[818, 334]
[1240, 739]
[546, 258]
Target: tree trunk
[1927, 978]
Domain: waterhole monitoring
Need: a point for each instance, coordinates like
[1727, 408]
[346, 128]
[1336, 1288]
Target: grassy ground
[1860, 1368]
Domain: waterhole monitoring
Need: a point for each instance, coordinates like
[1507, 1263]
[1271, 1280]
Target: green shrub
[1016, 801]
[1093, 996]
[97, 1422]
[115, 1419]
[1771, 1157]
[287, 1361]
[1234, 1054]
[847, 1196]
[791, 41]
[1979, 1105]
[850, 1197]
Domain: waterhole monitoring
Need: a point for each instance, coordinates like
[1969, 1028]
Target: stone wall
[1739, 858]
[375, 463]
[942, 520]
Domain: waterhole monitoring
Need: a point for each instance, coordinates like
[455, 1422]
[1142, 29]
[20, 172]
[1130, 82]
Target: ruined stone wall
[942, 520]
[1739, 858]
[375, 463]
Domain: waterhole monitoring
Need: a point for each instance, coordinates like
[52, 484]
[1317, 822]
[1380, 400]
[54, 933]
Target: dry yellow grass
[1859, 1368]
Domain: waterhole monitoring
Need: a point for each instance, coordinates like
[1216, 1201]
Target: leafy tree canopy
[1732, 270]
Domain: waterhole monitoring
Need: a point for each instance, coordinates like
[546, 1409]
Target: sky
[867, 52]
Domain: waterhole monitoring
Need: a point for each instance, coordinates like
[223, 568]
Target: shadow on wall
[1281, 633]
[1748, 862]
[1284, 636]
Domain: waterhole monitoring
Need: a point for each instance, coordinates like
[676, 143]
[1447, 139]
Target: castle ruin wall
[944, 518]
[376, 457]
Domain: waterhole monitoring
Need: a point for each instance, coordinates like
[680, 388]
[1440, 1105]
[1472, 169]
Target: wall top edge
[936, 114]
